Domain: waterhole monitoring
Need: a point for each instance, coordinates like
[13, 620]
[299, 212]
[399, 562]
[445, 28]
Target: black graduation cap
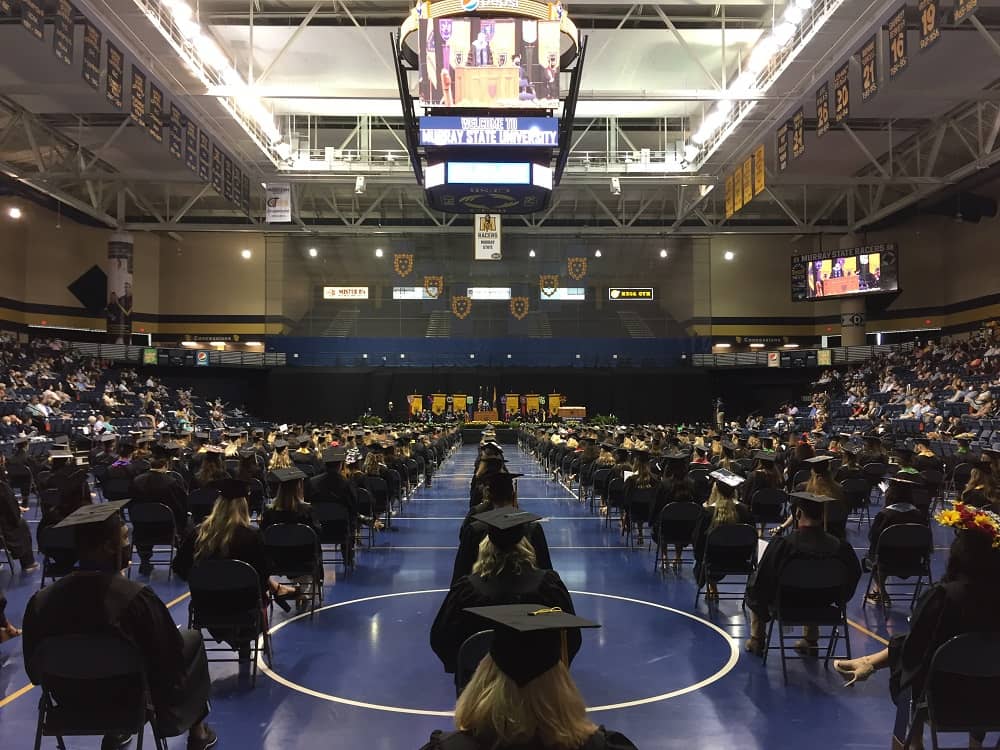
[353, 456]
[231, 488]
[819, 463]
[493, 445]
[529, 638]
[494, 463]
[767, 441]
[676, 456]
[803, 498]
[727, 445]
[20, 441]
[107, 438]
[609, 446]
[850, 449]
[640, 453]
[94, 513]
[903, 450]
[303, 440]
[334, 455]
[505, 527]
[500, 482]
[991, 452]
[60, 455]
[215, 449]
[247, 453]
[280, 445]
[701, 449]
[768, 456]
[287, 475]
[726, 477]
[872, 437]
[201, 436]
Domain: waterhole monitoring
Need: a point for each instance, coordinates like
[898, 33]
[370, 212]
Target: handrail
[840, 355]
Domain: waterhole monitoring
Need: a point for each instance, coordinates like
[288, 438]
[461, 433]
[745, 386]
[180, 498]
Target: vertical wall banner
[62, 32]
[748, 180]
[137, 98]
[204, 157]
[898, 59]
[217, 165]
[279, 203]
[798, 133]
[868, 55]
[822, 110]
[930, 23]
[842, 93]
[33, 18]
[227, 179]
[191, 145]
[231, 179]
[175, 138]
[7, 8]
[237, 185]
[965, 8]
[91, 69]
[119, 310]
[759, 167]
[154, 118]
[487, 231]
[781, 140]
[729, 196]
[738, 188]
[115, 71]
[245, 195]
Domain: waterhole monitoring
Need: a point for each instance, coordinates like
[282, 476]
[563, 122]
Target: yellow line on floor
[866, 631]
[7, 700]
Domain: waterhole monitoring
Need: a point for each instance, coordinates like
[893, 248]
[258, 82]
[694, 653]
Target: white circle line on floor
[734, 655]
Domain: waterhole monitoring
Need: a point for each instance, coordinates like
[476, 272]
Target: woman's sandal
[8, 633]
[754, 645]
[807, 648]
[854, 670]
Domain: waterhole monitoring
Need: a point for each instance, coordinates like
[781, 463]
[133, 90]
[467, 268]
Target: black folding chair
[92, 685]
[768, 506]
[674, 528]
[616, 499]
[810, 592]
[153, 525]
[368, 506]
[380, 494]
[6, 552]
[801, 477]
[470, 653]
[934, 483]
[294, 552]
[962, 685]
[200, 503]
[599, 489]
[902, 551]
[57, 547]
[335, 531]
[639, 507]
[857, 493]
[730, 550]
[874, 474]
[227, 601]
[116, 488]
[960, 477]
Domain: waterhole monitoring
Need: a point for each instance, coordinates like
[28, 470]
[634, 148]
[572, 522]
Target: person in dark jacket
[332, 486]
[721, 509]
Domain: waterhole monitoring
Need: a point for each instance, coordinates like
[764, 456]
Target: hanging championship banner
[519, 307]
[782, 146]
[91, 69]
[278, 203]
[154, 120]
[245, 194]
[7, 8]
[237, 185]
[62, 32]
[217, 169]
[930, 30]
[729, 196]
[548, 283]
[487, 229]
[738, 188]
[965, 8]
[842, 93]
[402, 264]
[227, 179]
[897, 43]
[823, 110]
[175, 138]
[115, 70]
[191, 145]
[461, 306]
[204, 157]
[434, 286]
[137, 103]
[748, 180]
[868, 55]
[798, 134]
[758, 172]
[576, 268]
[33, 18]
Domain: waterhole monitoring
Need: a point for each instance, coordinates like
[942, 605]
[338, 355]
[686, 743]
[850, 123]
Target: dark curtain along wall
[307, 394]
[235, 386]
[759, 390]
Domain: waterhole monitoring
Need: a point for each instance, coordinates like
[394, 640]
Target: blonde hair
[725, 509]
[548, 710]
[280, 460]
[216, 532]
[492, 561]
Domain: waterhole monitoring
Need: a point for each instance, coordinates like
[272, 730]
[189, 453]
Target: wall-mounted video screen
[489, 63]
[869, 269]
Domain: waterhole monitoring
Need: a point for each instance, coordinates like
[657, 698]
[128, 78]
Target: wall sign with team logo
[33, 18]
[154, 120]
[115, 69]
[782, 146]
[965, 8]
[868, 55]
[487, 230]
[278, 209]
[897, 43]
[137, 100]
[748, 180]
[842, 93]
[798, 133]
[62, 32]
[626, 294]
[822, 110]
[930, 23]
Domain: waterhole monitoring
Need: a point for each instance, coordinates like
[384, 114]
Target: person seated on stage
[963, 601]
[721, 509]
[521, 694]
[97, 599]
[807, 541]
[160, 485]
[226, 534]
[500, 492]
[898, 509]
[14, 529]
[505, 572]
[487, 466]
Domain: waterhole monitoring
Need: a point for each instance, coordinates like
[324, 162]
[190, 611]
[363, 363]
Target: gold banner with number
[748, 180]
[738, 188]
[729, 196]
[759, 182]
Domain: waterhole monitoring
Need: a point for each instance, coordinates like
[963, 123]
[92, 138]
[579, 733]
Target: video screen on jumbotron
[869, 269]
[489, 63]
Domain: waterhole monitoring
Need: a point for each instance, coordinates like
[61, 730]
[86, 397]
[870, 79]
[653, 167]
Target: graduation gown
[700, 537]
[452, 626]
[14, 528]
[166, 488]
[247, 545]
[472, 534]
[892, 515]
[602, 739]
[758, 480]
[809, 542]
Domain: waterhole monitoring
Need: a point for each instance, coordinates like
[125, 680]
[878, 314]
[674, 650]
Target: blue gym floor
[361, 673]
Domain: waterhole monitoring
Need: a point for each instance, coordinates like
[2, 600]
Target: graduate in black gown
[500, 491]
[807, 541]
[899, 509]
[505, 572]
[508, 703]
[721, 509]
[14, 529]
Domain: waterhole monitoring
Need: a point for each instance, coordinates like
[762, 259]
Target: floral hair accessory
[970, 518]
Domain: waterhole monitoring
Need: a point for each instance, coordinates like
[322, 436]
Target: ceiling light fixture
[378, 252]
[531, 253]
[663, 252]
[597, 253]
[728, 255]
[616, 186]
[246, 254]
[14, 212]
[313, 252]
